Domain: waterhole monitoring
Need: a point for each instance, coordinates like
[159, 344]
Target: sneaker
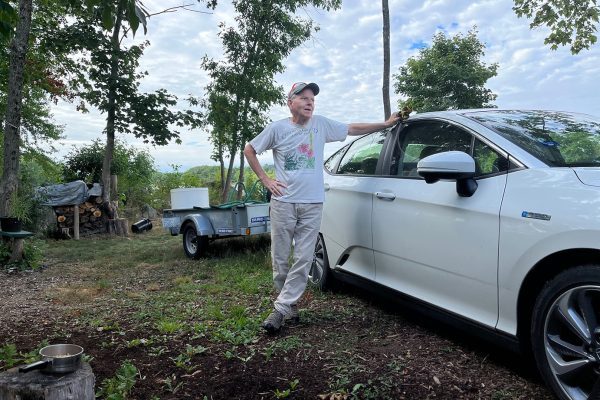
[274, 322]
[294, 316]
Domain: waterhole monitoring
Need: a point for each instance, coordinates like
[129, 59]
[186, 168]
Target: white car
[490, 216]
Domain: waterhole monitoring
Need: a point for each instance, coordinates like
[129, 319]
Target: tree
[243, 87]
[571, 22]
[448, 75]
[387, 111]
[108, 80]
[12, 120]
[42, 78]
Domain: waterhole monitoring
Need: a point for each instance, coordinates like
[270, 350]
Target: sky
[345, 58]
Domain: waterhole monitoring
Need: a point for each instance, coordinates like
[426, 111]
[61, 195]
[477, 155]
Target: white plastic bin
[186, 198]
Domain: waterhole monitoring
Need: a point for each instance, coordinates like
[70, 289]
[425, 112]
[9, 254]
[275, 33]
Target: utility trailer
[201, 225]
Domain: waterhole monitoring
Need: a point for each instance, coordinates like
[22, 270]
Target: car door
[428, 241]
[346, 223]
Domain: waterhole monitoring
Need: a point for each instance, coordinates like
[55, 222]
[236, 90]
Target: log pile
[91, 218]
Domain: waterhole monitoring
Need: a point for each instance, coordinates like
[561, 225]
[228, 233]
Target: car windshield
[559, 139]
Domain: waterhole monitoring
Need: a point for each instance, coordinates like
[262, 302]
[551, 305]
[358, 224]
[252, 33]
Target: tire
[193, 245]
[320, 275]
[565, 333]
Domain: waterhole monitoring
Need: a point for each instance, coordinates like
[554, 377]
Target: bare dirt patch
[348, 344]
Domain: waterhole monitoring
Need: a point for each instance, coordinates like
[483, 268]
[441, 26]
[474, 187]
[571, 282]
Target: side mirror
[453, 166]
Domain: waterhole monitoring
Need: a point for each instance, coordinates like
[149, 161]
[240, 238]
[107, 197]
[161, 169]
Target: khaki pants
[301, 223]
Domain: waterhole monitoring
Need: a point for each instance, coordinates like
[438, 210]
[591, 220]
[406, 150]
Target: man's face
[303, 104]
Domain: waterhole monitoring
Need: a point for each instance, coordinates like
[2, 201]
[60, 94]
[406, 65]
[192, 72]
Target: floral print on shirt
[302, 157]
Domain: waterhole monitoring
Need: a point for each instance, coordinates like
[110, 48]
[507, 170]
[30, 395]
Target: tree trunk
[386, 58]
[118, 226]
[241, 178]
[222, 168]
[12, 137]
[229, 175]
[111, 114]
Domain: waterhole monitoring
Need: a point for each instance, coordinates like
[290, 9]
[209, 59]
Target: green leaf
[132, 17]
[142, 17]
[107, 18]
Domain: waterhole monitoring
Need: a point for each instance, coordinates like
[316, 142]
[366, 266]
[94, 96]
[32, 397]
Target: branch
[174, 9]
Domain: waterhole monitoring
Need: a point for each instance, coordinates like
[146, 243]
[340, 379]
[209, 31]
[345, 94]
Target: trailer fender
[203, 225]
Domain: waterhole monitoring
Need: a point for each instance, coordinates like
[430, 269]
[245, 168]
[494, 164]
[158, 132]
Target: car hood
[588, 176]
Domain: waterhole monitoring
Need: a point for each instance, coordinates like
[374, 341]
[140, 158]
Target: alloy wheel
[317, 267]
[572, 342]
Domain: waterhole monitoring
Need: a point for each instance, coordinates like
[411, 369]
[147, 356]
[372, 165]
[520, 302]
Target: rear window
[559, 139]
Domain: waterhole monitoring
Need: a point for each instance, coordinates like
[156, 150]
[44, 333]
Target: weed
[344, 372]
[33, 255]
[284, 345]
[236, 327]
[119, 386]
[103, 284]
[157, 351]
[199, 330]
[502, 395]
[9, 355]
[184, 360]
[182, 280]
[285, 393]
[170, 384]
[138, 342]
[169, 327]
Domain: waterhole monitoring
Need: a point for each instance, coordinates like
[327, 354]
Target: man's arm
[273, 185]
[362, 128]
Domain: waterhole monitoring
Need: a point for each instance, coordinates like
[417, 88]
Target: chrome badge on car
[544, 217]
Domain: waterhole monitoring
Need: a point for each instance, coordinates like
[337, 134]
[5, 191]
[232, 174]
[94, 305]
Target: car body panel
[350, 205]
[574, 214]
[420, 237]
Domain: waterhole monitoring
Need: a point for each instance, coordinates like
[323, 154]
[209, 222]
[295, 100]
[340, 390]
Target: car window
[558, 139]
[423, 139]
[332, 161]
[487, 160]
[363, 155]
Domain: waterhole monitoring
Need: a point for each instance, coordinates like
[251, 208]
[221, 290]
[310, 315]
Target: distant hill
[208, 173]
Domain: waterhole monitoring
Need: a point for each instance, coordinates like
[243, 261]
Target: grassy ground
[156, 325]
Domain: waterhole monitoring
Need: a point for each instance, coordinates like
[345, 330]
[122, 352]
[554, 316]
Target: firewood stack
[91, 219]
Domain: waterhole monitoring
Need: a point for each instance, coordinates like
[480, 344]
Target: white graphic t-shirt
[298, 155]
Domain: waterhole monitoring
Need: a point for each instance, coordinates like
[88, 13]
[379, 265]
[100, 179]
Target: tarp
[67, 193]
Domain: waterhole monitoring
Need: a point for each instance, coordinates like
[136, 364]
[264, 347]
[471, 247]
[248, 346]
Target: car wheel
[566, 333]
[320, 275]
[193, 245]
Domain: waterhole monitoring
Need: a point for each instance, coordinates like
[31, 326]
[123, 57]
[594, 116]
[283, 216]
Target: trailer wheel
[193, 245]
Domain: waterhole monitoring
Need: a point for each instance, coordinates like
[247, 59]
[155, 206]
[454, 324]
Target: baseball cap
[300, 86]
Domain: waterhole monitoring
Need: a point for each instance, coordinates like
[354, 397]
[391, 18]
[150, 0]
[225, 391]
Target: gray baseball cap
[300, 86]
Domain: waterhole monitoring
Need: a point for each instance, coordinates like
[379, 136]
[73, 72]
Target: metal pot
[57, 359]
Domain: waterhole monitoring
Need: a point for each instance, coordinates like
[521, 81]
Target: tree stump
[78, 385]
[118, 226]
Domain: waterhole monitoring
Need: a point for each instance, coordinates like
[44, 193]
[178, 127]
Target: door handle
[326, 186]
[385, 196]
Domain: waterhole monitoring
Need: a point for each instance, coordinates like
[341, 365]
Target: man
[297, 190]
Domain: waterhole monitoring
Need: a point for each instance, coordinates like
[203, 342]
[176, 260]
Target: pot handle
[35, 365]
